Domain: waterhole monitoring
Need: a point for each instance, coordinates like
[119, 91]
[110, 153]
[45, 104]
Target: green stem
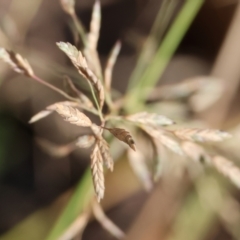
[96, 101]
[139, 91]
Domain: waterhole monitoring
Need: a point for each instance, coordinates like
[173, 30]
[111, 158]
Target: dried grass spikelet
[227, 168]
[72, 115]
[50, 109]
[97, 130]
[97, 172]
[202, 135]
[80, 63]
[68, 6]
[123, 136]
[152, 119]
[16, 61]
[110, 64]
[195, 152]
[166, 138]
[138, 164]
[105, 152]
[85, 141]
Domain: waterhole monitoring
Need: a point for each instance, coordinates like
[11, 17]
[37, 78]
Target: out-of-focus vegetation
[191, 53]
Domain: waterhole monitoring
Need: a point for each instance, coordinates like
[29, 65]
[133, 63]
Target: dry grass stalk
[54, 150]
[123, 136]
[138, 164]
[84, 100]
[106, 222]
[80, 63]
[97, 172]
[77, 227]
[110, 64]
[72, 115]
[85, 141]
[227, 168]
[94, 26]
[202, 135]
[105, 152]
[68, 6]
[50, 109]
[152, 119]
[16, 61]
[164, 137]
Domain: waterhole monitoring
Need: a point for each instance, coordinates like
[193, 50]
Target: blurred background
[35, 185]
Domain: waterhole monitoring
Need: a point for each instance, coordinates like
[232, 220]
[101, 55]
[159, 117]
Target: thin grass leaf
[164, 137]
[85, 141]
[227, 168]
[16, 61]
[123, 136]
[72, 115]
[202, 135]
[138, 164]
[50, 109]
[105, 152]
[105, 222]
[80, 63]
[110, 64]
[97, 172]
[68, 6]
[152, 119]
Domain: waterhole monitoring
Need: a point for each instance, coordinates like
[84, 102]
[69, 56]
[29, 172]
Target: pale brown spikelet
[152, 119]
[94, 26]
[97, 172]
[195, 152]
[165, 137]
[16, 61]
[123, 135]
[227, 168]
[105, 152]
[80, 63]
[68, 6]
[110, 64]
[202, 135]
[44, 113]
[85, 141]
[106, 223]
[72, 115]
[40, 115]
[97, 130]
[138, 164]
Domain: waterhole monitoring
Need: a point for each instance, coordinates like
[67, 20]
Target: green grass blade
[81, 197]
[140, 90]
